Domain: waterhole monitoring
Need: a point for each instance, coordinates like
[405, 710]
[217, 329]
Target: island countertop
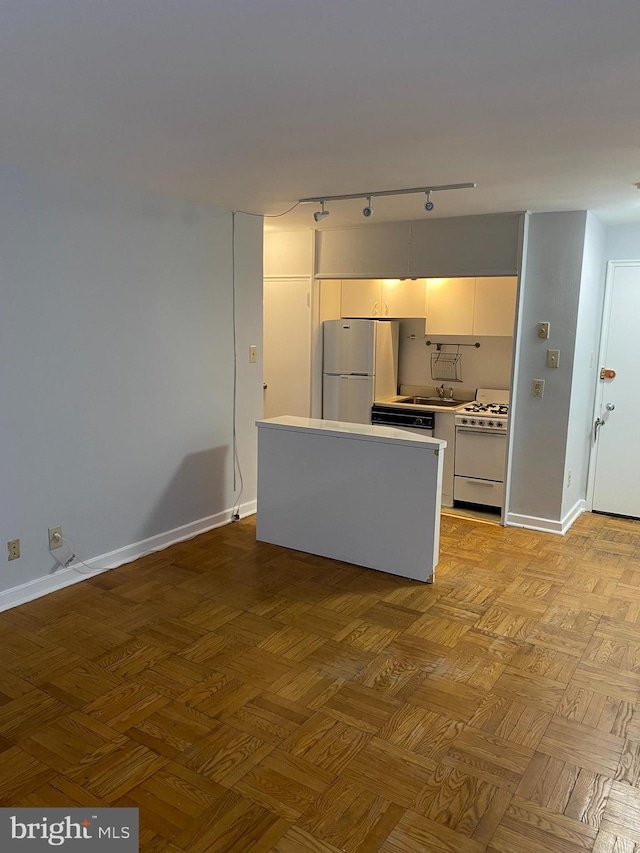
[342, 429]
[359, 493]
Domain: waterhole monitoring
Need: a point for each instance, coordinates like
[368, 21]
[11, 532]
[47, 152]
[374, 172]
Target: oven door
[480, 453]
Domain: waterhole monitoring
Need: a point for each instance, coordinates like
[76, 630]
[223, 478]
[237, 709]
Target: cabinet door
[403, 298]
[370, 250]
[449, 306]
[361, 298]
[495, 306]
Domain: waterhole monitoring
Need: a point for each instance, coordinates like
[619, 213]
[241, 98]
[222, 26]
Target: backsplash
[486, 367]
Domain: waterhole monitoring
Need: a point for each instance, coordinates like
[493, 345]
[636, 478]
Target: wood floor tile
[226, 755]
[234, 823]
[526, 822]
[511, 720]
[621, 812]
[350, 818]
[489, 758]
[535, 690]
[466, 804]
[583, 746]
[249, 698]
[361, 706]
[285, 784]
[390, 771]
[326, 742]
[419, 730]
[269, 718]
[417, 834]
[20, 773]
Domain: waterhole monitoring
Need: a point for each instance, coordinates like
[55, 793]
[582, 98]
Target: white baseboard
[66, 577]
[546, 525]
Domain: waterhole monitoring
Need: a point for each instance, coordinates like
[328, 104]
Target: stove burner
[487, 408]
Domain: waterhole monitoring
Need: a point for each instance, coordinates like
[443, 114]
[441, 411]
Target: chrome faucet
[440, 391]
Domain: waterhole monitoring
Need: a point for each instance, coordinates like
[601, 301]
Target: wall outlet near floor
[55, 538]
[569, 477]
[13, 547]
[253, 354]
[537, 386]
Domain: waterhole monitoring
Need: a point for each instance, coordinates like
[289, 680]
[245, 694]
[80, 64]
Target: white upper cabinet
[449, 306]
[471, 306]
[361, 298]
[494, 308]
[380, 251]
[466, 245]
[383, 299]
[403, 298]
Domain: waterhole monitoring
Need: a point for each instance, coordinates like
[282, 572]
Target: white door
[287, 347]
[617, 466]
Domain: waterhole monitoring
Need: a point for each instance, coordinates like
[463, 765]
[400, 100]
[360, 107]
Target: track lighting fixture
[320, 214]
[368, 210]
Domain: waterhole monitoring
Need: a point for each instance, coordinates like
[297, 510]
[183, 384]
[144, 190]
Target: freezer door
[347, 398]
[349, 346]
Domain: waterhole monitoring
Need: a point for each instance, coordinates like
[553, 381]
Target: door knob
[264, 386]
[610, 407]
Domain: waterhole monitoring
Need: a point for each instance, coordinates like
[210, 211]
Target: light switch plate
[543, 330]
[553, 358]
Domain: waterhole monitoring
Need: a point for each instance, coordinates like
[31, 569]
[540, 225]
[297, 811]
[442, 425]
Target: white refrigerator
[360, 365]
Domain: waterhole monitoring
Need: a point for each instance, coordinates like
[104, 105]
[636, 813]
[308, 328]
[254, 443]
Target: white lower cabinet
[444, 427]
[485, 492]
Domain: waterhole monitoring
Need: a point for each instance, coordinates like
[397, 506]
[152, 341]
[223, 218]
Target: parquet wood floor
[253, 699]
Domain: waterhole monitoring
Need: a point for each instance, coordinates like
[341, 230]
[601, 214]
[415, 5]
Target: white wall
[486, 367]
[550, 283]
[585, 366]
[116, 366]
[622, 242]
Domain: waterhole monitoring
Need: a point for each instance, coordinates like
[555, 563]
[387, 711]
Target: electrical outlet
[55, 538]
[569, 477]
[253, 354]
[538, 387]
[13, 546]
[553, 358]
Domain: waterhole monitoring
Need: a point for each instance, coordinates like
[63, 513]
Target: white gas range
[481, 445]
[490, 410]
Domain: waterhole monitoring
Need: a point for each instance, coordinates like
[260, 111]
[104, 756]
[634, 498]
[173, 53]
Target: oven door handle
[480, 431]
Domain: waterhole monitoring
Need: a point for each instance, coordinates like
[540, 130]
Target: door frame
[612, 266]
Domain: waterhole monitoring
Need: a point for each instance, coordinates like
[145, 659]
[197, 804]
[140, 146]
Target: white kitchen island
[368, 495]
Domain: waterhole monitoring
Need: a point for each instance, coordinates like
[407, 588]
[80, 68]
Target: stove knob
[472, 421]
[464, 421]
[499, 424]
[490, 423]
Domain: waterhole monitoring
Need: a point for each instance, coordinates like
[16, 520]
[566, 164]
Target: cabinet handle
[375, 308]
[386, 309]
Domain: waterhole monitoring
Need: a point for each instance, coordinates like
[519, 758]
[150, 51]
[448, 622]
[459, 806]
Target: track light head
[368, 210]
[428, 205]
[320, 214]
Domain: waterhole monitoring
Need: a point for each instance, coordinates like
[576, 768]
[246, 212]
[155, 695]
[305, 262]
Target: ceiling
[252, 104]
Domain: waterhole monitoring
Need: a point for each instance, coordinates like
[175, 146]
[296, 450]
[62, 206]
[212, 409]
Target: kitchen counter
[359, 493]
[400, 401]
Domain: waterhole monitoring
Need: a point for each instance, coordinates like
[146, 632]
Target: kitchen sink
[432, 401]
